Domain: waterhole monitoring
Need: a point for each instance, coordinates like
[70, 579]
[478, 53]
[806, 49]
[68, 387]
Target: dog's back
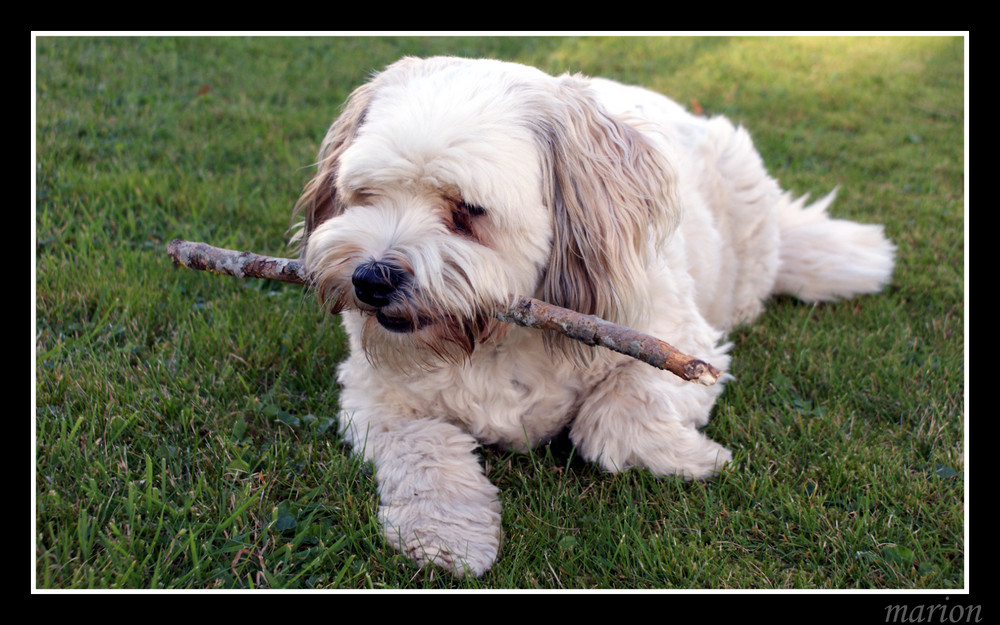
[744, 237]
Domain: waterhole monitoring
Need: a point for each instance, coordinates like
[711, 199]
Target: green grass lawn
[184, 432]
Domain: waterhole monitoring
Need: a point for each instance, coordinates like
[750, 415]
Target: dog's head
[447, 185]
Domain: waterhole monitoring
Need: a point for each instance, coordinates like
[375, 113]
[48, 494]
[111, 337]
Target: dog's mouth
[399, 323]
[401, 316]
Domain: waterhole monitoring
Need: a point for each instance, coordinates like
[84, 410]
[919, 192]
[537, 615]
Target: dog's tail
[823, 259]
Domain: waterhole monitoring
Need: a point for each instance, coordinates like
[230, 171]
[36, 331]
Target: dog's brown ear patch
[611, 196]
[319, 200]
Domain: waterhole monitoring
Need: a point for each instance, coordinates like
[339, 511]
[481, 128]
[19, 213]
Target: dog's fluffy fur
[448, 184]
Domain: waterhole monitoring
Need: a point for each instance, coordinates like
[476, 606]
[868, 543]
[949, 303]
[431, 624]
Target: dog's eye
[472, 209]
[462, 217]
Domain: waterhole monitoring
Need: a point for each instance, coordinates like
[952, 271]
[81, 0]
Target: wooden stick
[205, 257]
[523, 311]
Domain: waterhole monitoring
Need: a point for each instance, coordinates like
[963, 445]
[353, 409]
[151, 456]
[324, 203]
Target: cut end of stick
[702, 373]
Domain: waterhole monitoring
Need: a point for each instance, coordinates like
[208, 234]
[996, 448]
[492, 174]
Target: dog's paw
[468, 558]
[693, 456]
[675, 450]
[463, 542]
[704, 461]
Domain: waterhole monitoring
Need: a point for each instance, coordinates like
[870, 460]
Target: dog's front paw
[686, 453]
[436, 505]
[462, 539]
[703, 459]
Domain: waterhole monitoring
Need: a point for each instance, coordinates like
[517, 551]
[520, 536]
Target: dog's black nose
[375, 282]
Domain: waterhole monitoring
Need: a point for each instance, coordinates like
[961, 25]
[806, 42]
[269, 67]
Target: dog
[446, 185]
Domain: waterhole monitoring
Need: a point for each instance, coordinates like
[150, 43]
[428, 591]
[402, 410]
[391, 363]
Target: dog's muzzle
[384, 287]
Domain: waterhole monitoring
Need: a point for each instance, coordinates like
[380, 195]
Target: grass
[183, 436]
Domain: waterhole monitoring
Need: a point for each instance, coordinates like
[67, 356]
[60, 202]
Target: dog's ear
[319, 200]
[611, 195]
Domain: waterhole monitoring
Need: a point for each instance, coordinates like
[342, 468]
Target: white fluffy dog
[449, 184]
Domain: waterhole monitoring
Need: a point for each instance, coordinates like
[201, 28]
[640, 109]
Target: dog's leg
[638, 417]
[437, 507]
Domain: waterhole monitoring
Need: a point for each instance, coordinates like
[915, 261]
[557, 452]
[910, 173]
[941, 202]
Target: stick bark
[523, 311]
